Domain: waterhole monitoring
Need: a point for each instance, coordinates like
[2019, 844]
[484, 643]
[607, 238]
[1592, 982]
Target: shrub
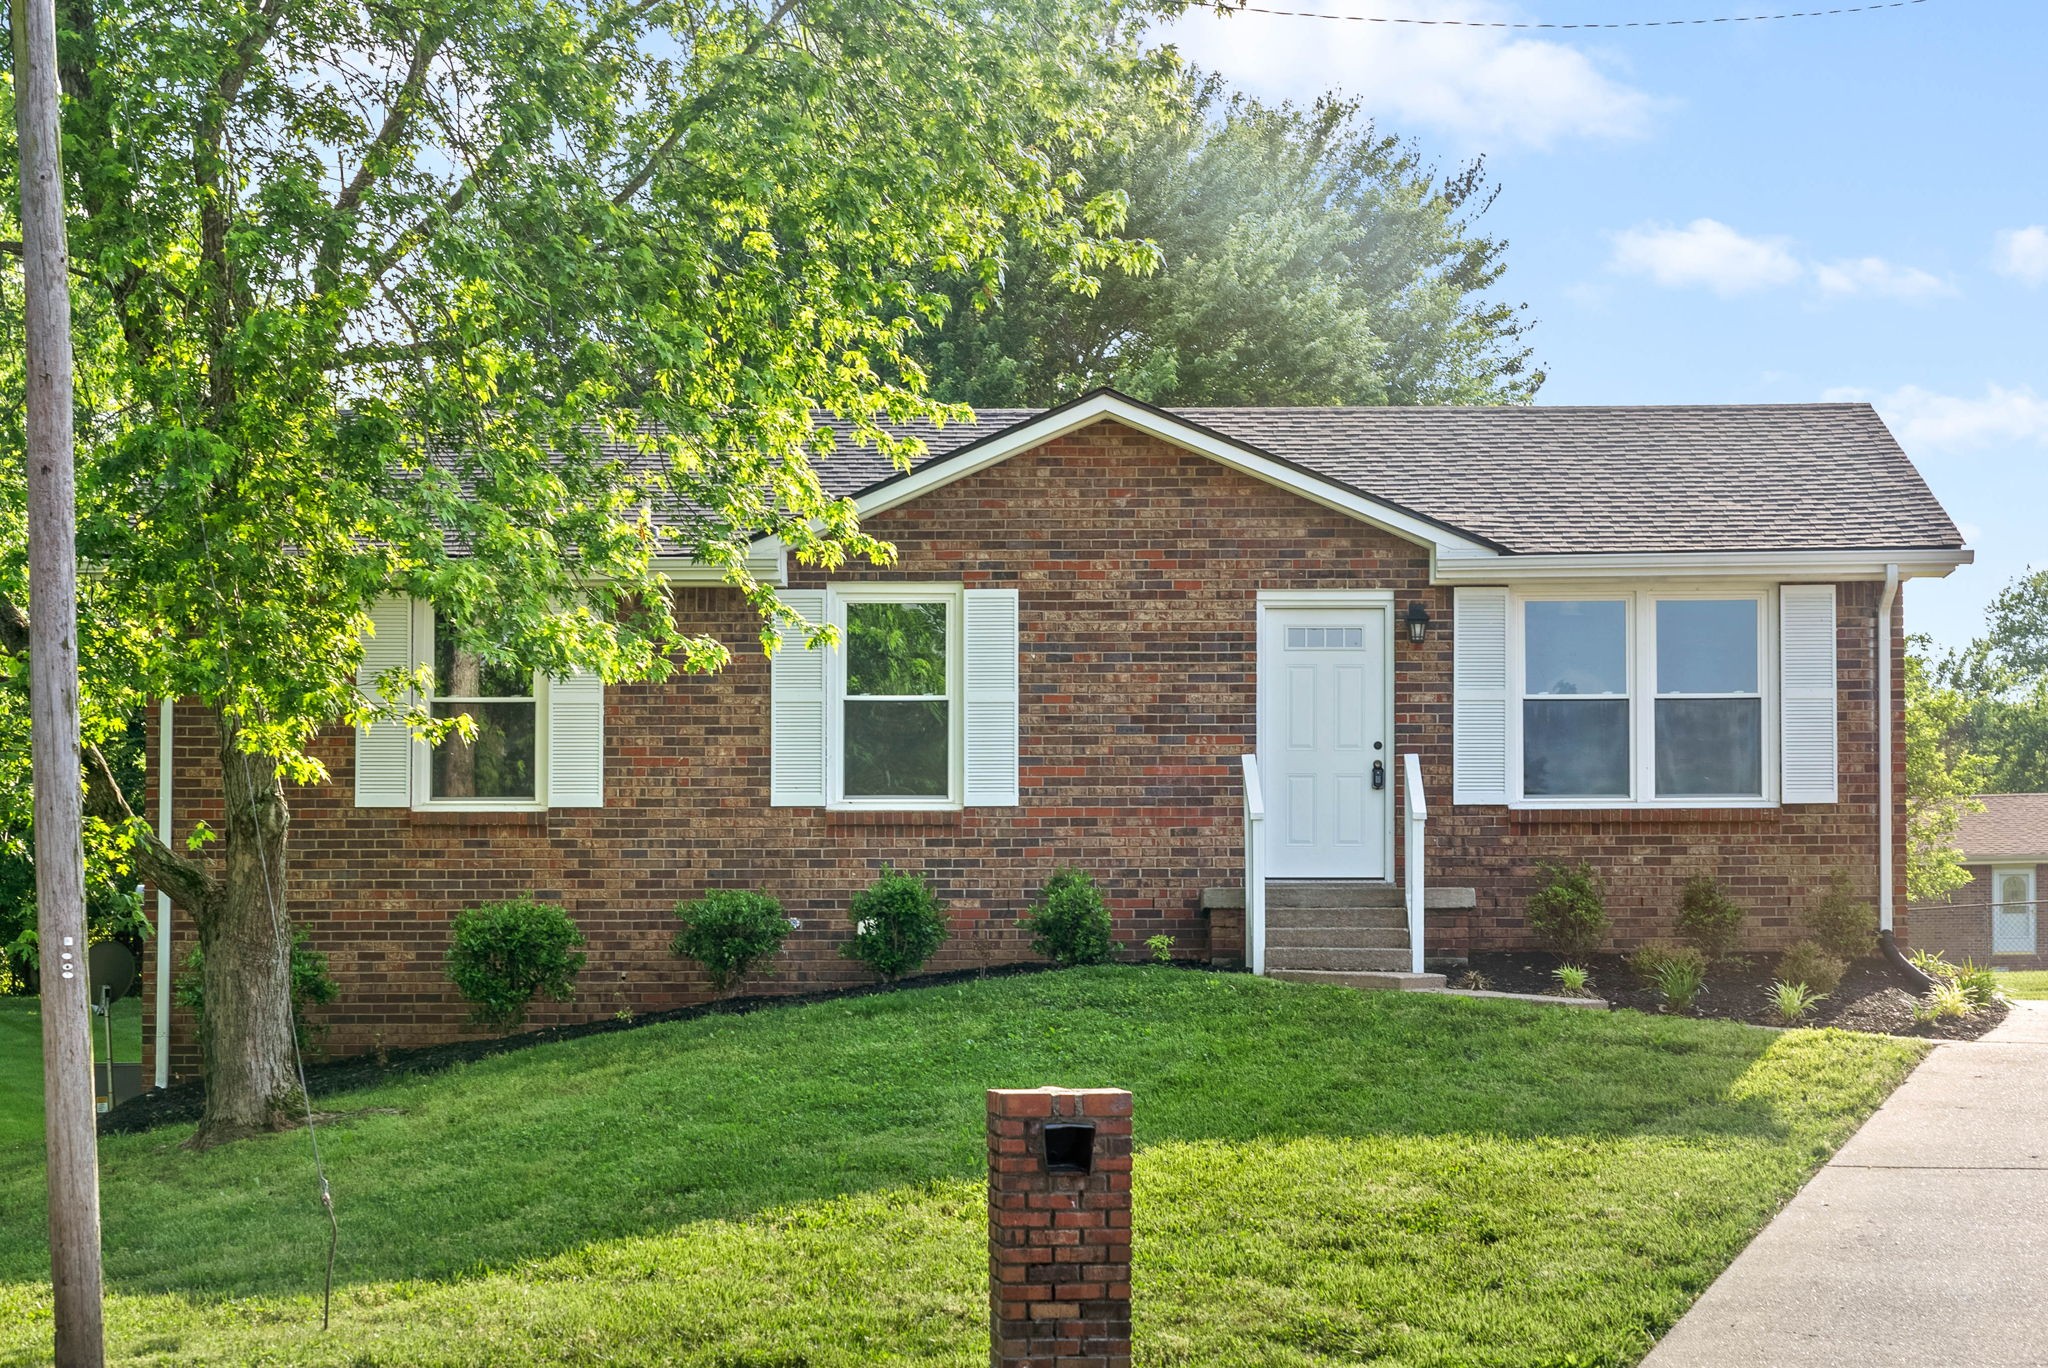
[312, 985]
[1680, 977]
[1944, 1001]
[729, 931]
[1790, 1002]
[1979, 983]
[1572, 979]
[1069, 924]
[1931, 963]
[503, 955]
[1844, 924]
[1808, 962]
[1569, 912]
[1647, 962]
[1161, 948]
[1708, 919]
[897, 923]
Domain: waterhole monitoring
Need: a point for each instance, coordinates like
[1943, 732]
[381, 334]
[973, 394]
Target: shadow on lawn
[526, 1156]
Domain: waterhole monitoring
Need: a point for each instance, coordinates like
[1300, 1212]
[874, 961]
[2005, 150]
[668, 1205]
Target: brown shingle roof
[2011, 824]
[1723, 477]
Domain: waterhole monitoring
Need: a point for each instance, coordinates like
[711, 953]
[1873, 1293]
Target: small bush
[1647, 962]
[1978, 982]
[1681, 977]
[1944, 1001]
[898, 922]
[1844, 924]
[1572, 979]
[1931, 963]
[1808, 962]
[1791, 1002]
[503, 955]
[1069, 924]
[1161, 948]
[729, 932]
[1569, 911]
[312, 985]
[1708, 919]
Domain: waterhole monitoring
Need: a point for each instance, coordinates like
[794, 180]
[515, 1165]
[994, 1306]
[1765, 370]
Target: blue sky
[1850, 207]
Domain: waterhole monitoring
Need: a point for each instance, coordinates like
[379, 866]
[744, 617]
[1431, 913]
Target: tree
[1943, 776]
[1304, 258]
[2003, 676]
[372, 298]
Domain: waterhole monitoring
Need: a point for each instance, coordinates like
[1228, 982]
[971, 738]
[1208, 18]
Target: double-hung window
[1643, 697]
[500, 761]
[897, 697]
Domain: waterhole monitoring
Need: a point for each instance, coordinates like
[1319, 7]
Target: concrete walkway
[1924, 1241]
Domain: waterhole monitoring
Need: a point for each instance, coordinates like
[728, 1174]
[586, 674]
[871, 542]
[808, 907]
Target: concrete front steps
[1345, 932]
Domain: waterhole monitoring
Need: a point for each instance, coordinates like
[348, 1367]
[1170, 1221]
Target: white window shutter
[384, 749]
[1806, 693]
[989, 635]
[1479, 709]
[796, 710]
[576, 741]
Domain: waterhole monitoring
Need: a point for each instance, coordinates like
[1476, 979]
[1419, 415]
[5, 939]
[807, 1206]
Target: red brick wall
[1138, 567]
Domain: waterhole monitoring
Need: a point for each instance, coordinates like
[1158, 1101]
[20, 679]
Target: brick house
[1312, 689]
[1995, 917]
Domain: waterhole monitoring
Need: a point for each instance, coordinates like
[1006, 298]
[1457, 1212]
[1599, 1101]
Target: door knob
[1379, 774]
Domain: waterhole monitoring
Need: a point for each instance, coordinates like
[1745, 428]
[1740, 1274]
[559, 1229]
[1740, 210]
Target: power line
[1614, 24]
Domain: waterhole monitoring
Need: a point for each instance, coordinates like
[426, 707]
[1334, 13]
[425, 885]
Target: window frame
[837, 599]
[1639, 617]
[423, 624]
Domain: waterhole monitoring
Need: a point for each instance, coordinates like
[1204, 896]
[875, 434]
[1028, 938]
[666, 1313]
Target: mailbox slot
[1069, 1148]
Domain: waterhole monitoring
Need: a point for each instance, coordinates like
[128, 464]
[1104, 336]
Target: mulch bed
[183, 1102]
[1875, 995]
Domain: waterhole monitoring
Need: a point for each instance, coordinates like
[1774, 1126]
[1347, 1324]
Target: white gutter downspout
[163, 900]
[1884, 750]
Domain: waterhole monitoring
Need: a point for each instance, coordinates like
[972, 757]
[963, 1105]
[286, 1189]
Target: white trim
[1639, 619]
[944, 470]
[423, 754]
[1834, 567]
[837, 596]
[2003, 861]
[1264, 705]
[1881, 640]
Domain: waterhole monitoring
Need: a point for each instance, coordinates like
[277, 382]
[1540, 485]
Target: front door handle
[1379, 774]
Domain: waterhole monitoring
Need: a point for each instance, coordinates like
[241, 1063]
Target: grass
[21, 1062]
[1322, 1176]
[2024, 983]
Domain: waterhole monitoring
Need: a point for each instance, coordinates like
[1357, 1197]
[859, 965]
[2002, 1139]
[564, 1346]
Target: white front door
[2012, 911]
[1323, 758]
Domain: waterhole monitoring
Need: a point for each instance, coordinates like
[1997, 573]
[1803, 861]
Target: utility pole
[68, 1094]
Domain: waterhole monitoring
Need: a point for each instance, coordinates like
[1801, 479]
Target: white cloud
[1704, 253]
[1875, 276]
[2022, 253]
[1925, 420]
[1483, 85]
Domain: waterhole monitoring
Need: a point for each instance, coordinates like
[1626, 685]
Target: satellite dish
[110, 969]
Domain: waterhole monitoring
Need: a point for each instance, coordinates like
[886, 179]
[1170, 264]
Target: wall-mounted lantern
[1417, 618]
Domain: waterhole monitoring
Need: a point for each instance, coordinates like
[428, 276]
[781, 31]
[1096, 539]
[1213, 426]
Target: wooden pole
[53, 700]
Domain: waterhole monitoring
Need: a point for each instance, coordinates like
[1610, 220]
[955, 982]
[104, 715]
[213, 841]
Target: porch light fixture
[1417, 618]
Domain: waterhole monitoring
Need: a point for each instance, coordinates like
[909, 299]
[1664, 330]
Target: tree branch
[398, 120]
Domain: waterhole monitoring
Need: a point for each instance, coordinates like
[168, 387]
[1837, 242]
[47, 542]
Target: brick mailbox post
[1059, 1227]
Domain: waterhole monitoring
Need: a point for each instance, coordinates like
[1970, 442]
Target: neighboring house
[1996, 916]
[1653, 639]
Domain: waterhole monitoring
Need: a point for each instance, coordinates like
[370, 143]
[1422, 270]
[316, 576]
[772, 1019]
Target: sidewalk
[1925, 1241]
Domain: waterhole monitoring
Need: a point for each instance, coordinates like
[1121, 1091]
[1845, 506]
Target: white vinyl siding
[796, 686]
[384, 749]
[1807, 704]
[1479, 726]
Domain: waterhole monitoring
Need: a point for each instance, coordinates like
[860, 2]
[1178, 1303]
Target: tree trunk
[252, 1079]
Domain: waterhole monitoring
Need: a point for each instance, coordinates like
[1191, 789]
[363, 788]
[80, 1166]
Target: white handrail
[1412, 862]
[1254, 867]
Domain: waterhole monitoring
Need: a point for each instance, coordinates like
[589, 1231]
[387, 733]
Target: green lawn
[21, 1062]
[2024, 983]
[1323, 1176]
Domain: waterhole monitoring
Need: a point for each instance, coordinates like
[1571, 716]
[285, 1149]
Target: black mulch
[183, 1102]
[1875, 995]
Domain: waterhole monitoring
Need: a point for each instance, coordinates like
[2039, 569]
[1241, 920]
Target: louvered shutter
[384, 749]
[1480, 702]
[1806, 693]
[989, 636]
[796, 709]
[576, 741]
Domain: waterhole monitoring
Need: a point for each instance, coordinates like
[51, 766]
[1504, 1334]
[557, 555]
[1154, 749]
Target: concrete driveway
[1925, 1241]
